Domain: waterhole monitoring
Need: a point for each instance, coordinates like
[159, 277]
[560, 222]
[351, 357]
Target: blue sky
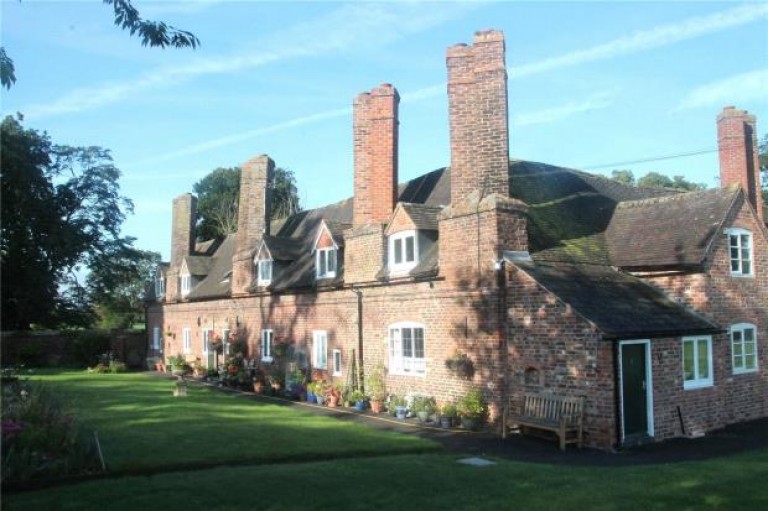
[590, 84]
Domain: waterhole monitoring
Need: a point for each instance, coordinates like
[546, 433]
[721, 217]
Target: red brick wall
[363, 253]
[477, 99]
[739, 163]
[726, 300]
[375, 147]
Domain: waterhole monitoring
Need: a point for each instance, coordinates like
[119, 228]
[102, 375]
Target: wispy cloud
[657, 37]
[742, 88]
[351, 26]
[558, 113]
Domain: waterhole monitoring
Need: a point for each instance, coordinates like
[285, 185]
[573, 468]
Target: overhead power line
[647, 160]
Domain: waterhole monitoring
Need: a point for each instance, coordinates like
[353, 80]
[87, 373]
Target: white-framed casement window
[337, 362]
[159, 285]
[186, 280]
[740, 252]
[264, 272]
[697, 362]
[406, 349]
[325, 263]
[156, 338]
[225, 341]
[186, 334]
[320, 349]
[743, 347]
[266, 345]
[403, 251]
[207, 334]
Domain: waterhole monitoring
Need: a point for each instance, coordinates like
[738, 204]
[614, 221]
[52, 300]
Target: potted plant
[276, 382]
[424, 407]
[311, 392]
[334, 395]
[472, 408]
[357, 397]
[377, 388]
[319, 392]
[461, 365]
[259, 382]
[399, 406]
[448, 415]
[177, 364]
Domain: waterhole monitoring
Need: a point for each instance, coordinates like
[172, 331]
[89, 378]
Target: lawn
[143, 427]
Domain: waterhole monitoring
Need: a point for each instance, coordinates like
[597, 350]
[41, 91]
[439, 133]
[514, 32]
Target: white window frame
[698, 381]
[264, 270]
[324, 259]
[159, 285]
[267, 336]
[744, 265]
[320, 349]
[741, 349]
[186, 280]
[336, 362]
[207, 333]
[400, 239]
[156, 337]
[225, 341]
[186, 335]
[399, 362]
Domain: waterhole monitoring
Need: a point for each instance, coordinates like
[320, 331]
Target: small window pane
[410, 251]
[331, 261]
[703, 359]
[407, 342]
[418, 342]
[688, 366]
[750, 362]
[398, 251]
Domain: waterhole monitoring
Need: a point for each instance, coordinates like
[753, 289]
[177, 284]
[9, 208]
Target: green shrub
[472, 405]
[86, 346]
[41, 436]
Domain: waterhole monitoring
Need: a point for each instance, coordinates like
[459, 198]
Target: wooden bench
[559, 414]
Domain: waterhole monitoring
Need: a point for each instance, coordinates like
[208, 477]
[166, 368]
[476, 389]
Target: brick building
[649, 303]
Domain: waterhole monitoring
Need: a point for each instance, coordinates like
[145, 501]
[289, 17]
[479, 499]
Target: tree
[117, 282]
[217, 200]
[655, 180]
[61, 210]
[127, 17]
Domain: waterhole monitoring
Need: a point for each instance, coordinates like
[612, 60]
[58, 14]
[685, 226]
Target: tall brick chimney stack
[375, 145]
[739, 163]
[252, 221]
[184, 217]
[477, 102]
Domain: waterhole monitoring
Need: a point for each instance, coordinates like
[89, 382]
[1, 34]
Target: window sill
[737, 372]
[743, 275]
[416, 374]
[336, 373]
[697, 385]
[267, 360]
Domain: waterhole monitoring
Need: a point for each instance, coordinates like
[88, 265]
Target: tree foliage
[117, 283]
[218, 194]
[127, 17]
[655, 180]
[61, 210]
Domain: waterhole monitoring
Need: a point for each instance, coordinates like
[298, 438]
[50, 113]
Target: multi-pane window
[744, 347]
[156, 338]
[187, 343]
[337, 362]
[207, 340]
[159, 285]
[403, 251]
[697, 362]
[186, 283]
[225, 342]
[264, 272]
[266, 345]
[406, 349]
[740, 251]
[325, 263]
[320, 349]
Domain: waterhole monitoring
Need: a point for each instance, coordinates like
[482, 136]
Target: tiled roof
[620, 305]
[672, 231]
[198, 265]
[217, 283]
[424, 217]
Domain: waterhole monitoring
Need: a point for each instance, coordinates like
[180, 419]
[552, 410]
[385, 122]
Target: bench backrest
[542, 406]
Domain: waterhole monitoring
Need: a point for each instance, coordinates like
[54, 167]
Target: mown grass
[142, 427]
[430, 481]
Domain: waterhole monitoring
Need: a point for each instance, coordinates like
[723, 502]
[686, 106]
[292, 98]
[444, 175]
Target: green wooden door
[634, 389]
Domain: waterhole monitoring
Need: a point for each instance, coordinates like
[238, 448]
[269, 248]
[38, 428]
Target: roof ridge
[683, 195]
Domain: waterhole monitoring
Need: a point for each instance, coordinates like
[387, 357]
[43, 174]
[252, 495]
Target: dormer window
[186, 280]
[740, 248]
[264, 272]
[403, 251]
[325, 263]
[159, 285]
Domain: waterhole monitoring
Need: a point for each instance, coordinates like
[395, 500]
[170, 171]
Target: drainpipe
[501, 282]
[617, 391]
[360, 370]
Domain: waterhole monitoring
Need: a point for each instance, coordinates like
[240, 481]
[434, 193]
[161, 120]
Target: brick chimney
[253, 218]
[739, 163]
[375, 144]
[477, 102]
[184, 217]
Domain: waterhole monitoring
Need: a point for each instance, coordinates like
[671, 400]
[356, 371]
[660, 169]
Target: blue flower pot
[360, 406]
[310, 397]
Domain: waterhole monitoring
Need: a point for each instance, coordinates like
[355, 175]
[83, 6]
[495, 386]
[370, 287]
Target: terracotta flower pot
[258, 387]
[376, 406]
